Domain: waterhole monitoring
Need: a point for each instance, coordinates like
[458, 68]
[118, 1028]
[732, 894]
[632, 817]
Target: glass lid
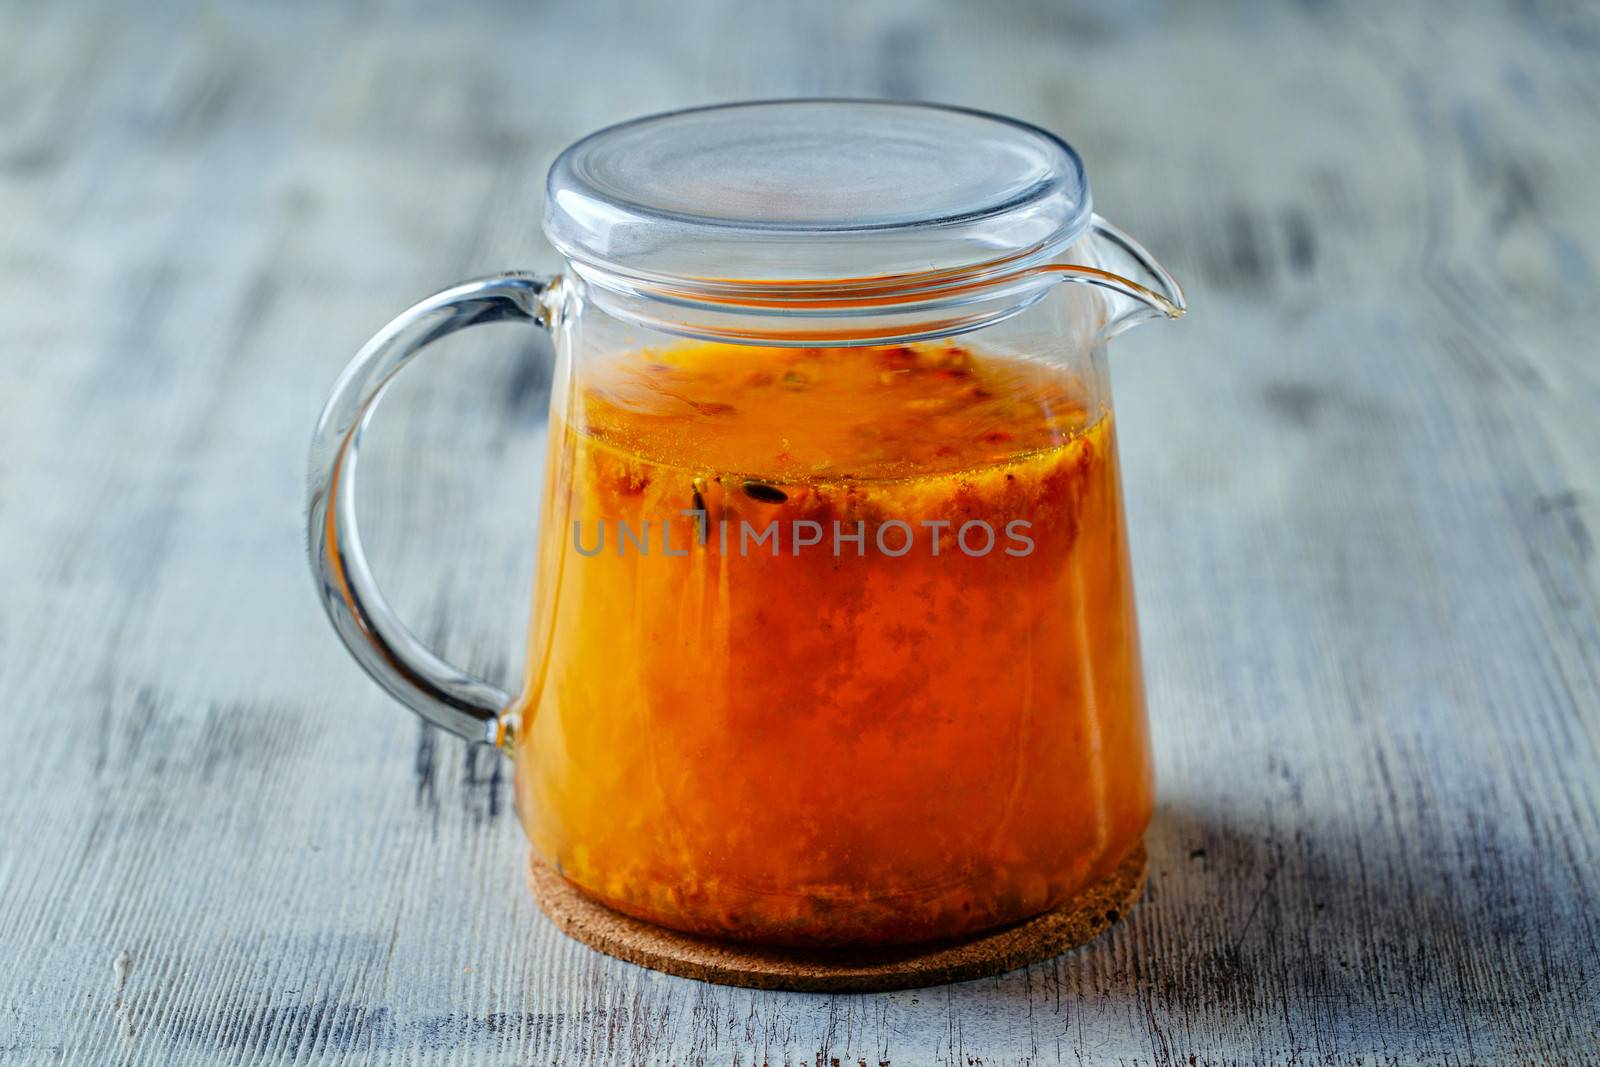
[814, 191]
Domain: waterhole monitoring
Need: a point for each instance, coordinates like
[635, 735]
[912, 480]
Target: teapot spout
[1139, 289]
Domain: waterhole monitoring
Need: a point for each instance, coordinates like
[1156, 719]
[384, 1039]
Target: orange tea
[835, 646]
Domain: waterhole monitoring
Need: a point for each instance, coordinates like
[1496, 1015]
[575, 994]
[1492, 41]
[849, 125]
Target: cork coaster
[1080, 920]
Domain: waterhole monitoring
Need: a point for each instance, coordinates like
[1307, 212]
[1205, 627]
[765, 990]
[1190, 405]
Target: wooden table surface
[1364, 481]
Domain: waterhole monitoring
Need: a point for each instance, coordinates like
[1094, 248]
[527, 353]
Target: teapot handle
[442, 694]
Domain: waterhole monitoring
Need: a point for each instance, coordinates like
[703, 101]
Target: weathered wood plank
[1364, 480]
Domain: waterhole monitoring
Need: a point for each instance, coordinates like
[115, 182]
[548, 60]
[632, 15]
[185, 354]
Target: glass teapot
[833, 636]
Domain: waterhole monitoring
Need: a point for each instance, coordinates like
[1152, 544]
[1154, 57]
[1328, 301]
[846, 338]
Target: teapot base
[1077, 922]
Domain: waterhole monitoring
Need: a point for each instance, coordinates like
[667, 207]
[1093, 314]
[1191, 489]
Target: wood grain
[1364, 482]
